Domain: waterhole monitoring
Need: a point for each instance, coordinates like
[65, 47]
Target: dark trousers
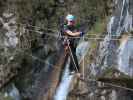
[74, 66]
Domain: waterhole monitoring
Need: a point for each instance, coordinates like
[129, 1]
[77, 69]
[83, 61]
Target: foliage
[98, 28]
[48, 12]
[2, 97]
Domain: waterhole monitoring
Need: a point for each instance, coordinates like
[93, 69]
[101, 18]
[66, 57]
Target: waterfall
[125, 57]
[109, 26]
[63, 89]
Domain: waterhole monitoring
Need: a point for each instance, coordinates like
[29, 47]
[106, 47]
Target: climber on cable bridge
[71, 33]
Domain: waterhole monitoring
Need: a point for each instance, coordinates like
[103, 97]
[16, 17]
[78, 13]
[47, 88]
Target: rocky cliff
[26, 53]
[110, 58]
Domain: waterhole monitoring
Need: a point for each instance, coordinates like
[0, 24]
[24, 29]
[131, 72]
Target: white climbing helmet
[70, 17]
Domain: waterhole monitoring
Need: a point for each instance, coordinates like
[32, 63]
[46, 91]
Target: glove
[81, 33]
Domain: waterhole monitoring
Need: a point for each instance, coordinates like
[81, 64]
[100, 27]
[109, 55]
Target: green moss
[93, 44]
[121, 80]
[98, 28]
[109, 73]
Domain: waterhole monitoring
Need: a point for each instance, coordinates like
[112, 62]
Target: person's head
[70, 19]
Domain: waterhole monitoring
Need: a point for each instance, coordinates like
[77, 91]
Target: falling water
[125, 57]
[63, 89]
[109, 26]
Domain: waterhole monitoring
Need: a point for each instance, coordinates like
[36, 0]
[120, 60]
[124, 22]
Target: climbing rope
[57, 36]
[55, 31]
[72, 56]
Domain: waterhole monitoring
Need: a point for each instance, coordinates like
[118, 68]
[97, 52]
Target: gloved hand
[81, 33]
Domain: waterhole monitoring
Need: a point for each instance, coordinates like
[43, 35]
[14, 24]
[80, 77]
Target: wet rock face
[120, 22]
[106, 56]
[122, 19]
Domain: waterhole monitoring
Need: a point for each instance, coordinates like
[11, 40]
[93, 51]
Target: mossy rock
[110, 76]
[112, 73]
[98, 28]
